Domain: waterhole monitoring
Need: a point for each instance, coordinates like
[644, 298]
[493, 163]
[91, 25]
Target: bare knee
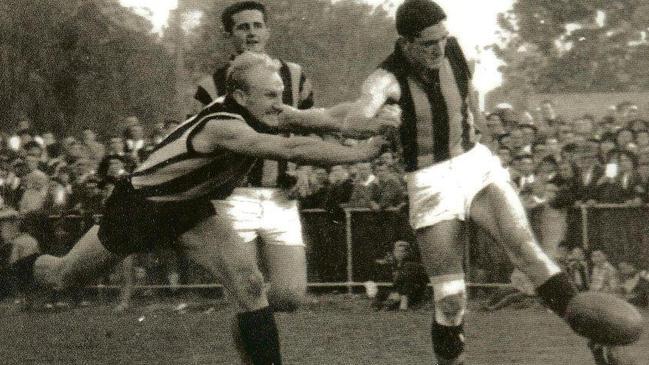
[450, 299]
[286, 298]
[248, 288]
[449, 311]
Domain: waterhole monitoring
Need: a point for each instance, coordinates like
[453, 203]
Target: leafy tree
[575, 45]
[71, 64]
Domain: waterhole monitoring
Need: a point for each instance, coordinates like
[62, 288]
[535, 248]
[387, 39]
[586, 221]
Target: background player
[283, 253]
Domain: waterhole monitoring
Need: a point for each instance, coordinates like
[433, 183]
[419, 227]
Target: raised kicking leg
[498, 209]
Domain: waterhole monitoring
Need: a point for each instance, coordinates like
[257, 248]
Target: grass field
[333, 330]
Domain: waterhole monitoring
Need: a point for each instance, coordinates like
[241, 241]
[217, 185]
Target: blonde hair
[238, 77]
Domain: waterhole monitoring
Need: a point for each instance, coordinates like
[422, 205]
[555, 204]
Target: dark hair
[230, 11]
[588, 116]
[594, 139]
[529, 126]
[32, 144]
[551, 160]
[607, 137]
[413, 16]
[608, 119]
[624, 104]
[502, 136]
[524, 156]
[538, 142]
[569, 148]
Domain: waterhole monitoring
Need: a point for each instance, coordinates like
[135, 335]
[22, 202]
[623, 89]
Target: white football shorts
[266, 213]
[445, 191]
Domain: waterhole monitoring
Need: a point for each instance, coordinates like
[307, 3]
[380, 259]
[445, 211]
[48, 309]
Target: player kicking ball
[452, 178]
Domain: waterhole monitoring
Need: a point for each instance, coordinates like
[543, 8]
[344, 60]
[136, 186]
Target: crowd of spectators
[562, 161]
[552, 160]
[555, 162]
[600, 275]
[40, 173]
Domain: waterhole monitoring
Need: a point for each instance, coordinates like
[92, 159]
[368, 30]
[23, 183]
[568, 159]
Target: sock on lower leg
[448, 342]
[259, 336]
[557, 292]
[23, 271]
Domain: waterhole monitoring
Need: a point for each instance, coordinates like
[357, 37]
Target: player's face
[428, 50]
[249, 32]
[264, 94]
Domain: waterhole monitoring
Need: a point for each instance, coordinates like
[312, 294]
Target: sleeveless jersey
[297, 93]
[430, 126]
[174, 171]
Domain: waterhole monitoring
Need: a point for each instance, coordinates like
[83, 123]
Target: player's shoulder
[291, 64]
[294, 68]
[382, 82]
[383, 76]
[206, 81]
[223, 117]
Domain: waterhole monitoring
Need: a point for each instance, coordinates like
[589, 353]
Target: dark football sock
[23, 272]
[448, 342]
[259, 336]
[557, 292]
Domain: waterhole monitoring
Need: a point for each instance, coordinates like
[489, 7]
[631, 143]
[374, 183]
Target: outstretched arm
[239, 137]
[367, 115]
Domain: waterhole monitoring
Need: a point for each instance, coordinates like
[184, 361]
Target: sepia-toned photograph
[324, 182]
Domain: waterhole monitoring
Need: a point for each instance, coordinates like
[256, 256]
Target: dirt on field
[331, 330]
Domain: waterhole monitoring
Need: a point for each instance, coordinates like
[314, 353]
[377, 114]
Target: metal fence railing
[343, 246]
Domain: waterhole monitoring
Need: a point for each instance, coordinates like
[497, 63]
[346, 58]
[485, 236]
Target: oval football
[604, 318]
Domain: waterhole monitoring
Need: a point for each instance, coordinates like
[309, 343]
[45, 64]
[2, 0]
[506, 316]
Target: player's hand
[389, 116]
[374, 147]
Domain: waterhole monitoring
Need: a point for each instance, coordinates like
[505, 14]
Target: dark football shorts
[133, 224]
